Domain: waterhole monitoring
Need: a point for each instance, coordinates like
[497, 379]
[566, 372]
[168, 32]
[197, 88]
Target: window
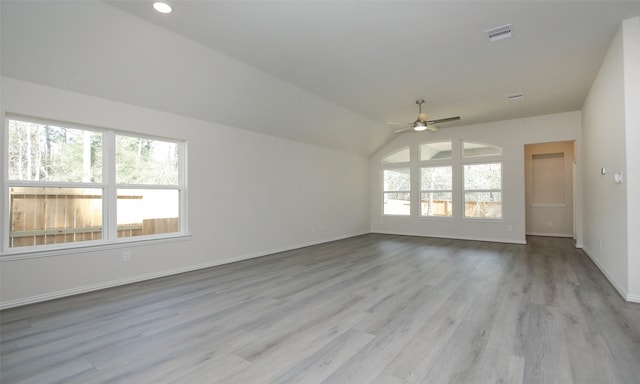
[436, 185]
[148, 188]
[451, 179]
[54, 215]
[396, 191]
[70, 184]
[470, 149]
[401, 156]
[435, 151]
[483, 190]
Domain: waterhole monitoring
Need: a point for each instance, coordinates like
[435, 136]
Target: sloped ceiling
[326, 72]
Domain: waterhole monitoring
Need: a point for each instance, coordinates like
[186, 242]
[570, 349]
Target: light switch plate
[617, 177]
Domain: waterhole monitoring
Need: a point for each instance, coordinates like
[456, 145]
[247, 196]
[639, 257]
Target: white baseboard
[550, 234]
[633, 299]
[155, 275]
[621, 290]
[439, 236]
[135, 279]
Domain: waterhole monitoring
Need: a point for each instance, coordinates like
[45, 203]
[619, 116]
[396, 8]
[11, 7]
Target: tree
[40, 152]
[146, 161]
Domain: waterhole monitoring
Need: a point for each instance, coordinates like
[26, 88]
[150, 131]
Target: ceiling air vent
[499, 33]
[516, 96]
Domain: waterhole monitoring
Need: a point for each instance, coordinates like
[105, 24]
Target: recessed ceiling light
[162, 6]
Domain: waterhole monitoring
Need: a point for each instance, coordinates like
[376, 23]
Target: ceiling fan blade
[394, 123]
[445, 120]
[403, 129]
[432, 128]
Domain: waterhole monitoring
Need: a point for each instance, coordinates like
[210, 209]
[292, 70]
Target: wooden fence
[45, 216]
[477, 209]
[471, 208]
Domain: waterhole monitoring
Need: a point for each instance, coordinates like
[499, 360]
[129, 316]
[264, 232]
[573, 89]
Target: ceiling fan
[422, 124]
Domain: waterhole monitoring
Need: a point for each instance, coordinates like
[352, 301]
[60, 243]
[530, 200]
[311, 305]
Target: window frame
[464, 190]
[108, 186]
[385, 191]
[397, 151]
[482, 156]
[450, 191]
[447, 160]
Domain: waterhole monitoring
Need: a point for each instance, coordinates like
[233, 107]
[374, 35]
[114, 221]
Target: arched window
[474, 149]
[435, 151]
[400, 156]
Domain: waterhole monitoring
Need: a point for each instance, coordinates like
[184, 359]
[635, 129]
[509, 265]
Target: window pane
[396, 203]
[435, 151]
[402, 156]
[54, 215]
[42, 152]
[147, 211]
[483, 176]
[435, 179]
[470, 149]
[483, 204]
[436, 204]
[397, 179]
[146, 161]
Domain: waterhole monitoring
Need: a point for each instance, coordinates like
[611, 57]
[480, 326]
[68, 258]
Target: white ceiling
[377, 57]
[374, 58]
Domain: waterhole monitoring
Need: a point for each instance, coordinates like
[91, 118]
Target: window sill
[484, 219]
[19, 254]
[548, 205]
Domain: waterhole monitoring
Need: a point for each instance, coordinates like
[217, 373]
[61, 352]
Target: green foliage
[397, 179]
[146, 161]
[483, 176]
[436, 178]
[39, 152]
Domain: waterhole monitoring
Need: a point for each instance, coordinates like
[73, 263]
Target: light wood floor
[370, 309]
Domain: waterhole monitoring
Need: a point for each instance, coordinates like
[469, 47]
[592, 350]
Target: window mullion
[182, 181]
[59, 193]
[6, 206]
[110, 194]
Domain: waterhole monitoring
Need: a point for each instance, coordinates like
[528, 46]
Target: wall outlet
[126, 256]
[550, 223]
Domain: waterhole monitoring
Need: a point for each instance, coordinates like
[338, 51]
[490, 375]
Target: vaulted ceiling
[375, 58]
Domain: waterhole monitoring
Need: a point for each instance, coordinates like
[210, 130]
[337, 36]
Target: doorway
[549, 189]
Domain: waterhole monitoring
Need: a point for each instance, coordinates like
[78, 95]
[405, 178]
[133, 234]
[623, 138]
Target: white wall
[631, 47]
[511, 135]
[611, 121]
[249, 194]
[93, 48]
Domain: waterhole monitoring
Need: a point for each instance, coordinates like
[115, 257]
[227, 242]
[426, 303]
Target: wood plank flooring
[370, 309]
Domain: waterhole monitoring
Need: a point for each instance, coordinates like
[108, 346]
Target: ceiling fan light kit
[422, 124]
[419, 126]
